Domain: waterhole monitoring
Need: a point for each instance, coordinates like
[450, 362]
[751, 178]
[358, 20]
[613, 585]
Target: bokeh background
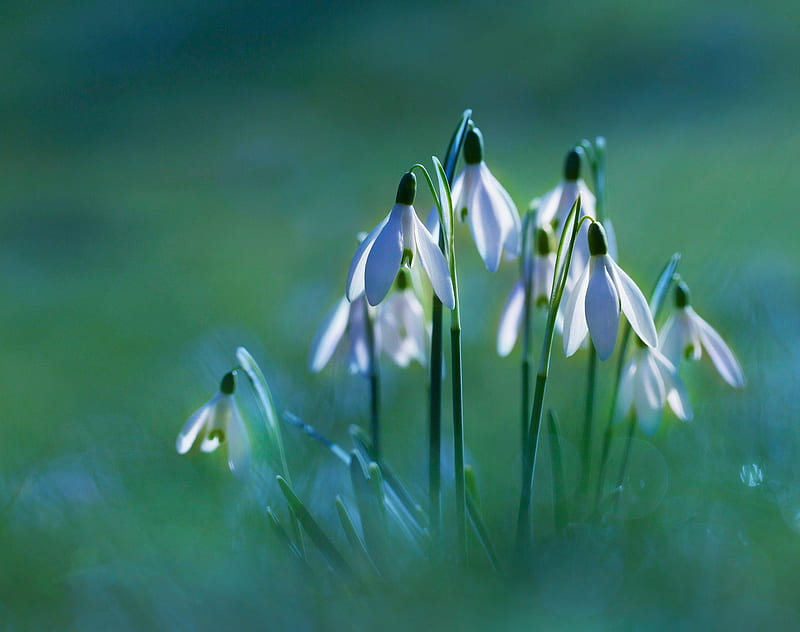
[176, 180]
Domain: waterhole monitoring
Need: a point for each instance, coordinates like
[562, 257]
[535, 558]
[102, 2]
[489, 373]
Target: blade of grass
[314, 531]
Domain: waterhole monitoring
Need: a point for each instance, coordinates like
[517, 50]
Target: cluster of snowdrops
[565, 247]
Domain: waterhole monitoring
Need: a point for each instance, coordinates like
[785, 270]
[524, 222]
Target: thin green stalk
[597, 162]
[557, 464]
[656, 303]
[586, 442]
[624, 465]
[530, 220]
[267, 405]
[435, 391]
[374, 386]
[529, 456]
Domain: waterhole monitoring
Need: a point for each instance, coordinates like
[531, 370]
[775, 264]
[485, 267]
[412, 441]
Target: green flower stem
[435, 391]
[596, 155]
[529, 455]
[527, 222]
[557, 464]
[374, 386]
[656, 303]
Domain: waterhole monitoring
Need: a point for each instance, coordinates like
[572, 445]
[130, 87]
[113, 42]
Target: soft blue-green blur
[177, 181]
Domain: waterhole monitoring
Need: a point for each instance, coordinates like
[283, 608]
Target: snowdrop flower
[555, 205]
[346, 321]
[598, 296]
[685, 335]
[400, 325]
[537, 274]
[648, 382]
[489, 210]
[217, 422]
[399, 240]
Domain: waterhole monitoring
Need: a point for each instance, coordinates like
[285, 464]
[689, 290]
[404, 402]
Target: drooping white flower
[685, 335]
[554, 206]
[481, 201]
[346, 321]
[398, 329]
[598, 296]
[537, 274]
[218, 422]
[648, 382]
[400, 239]
[400, 325]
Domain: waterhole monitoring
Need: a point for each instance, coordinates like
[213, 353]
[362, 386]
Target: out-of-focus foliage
[177, 180]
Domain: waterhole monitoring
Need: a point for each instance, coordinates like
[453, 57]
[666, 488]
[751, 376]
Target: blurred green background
[177, 180]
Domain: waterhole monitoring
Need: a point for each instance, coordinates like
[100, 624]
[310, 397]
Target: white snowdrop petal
[413, 319]
[328, 336]
[238, 443]
[574, 325]
[487, 231]
[384, 258]
[625, 393]
[719, 352]
[506, 208]
[634, 305]
[192, 427]
[602, 308]
[435, 265]
[359, 356]
[649, 395]
[670, 339]
[432, 223]
[677, 397]
[355, 274]
[510, 319]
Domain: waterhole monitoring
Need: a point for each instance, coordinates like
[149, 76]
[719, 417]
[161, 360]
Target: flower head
[346, 321]
[555, 205]
[598, 296]
[217, 422]
[648, 382]
[537, 275]
[685, 335]
[400, 325]
[399, 240]
[481, 201]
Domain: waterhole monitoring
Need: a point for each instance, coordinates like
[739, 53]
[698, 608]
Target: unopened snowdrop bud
[218, 422]
[686, 334]
[473, 147]
[555, 205]
[228, 384]
[682, 296]
[481, 201]
[598, 243]
[544, 242]
[572, 166]
[599, 295]
[407, 189]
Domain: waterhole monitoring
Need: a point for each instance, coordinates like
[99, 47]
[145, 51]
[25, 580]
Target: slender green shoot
[314, 531]
[656, 303]
[437, 355]
[267, 405]
[478, 523]
[560, 515]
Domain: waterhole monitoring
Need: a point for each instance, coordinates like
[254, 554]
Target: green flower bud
[572, 166]
[682, 296]
[473, 147]
[228, 384]
[407, 189]
[598, 244]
